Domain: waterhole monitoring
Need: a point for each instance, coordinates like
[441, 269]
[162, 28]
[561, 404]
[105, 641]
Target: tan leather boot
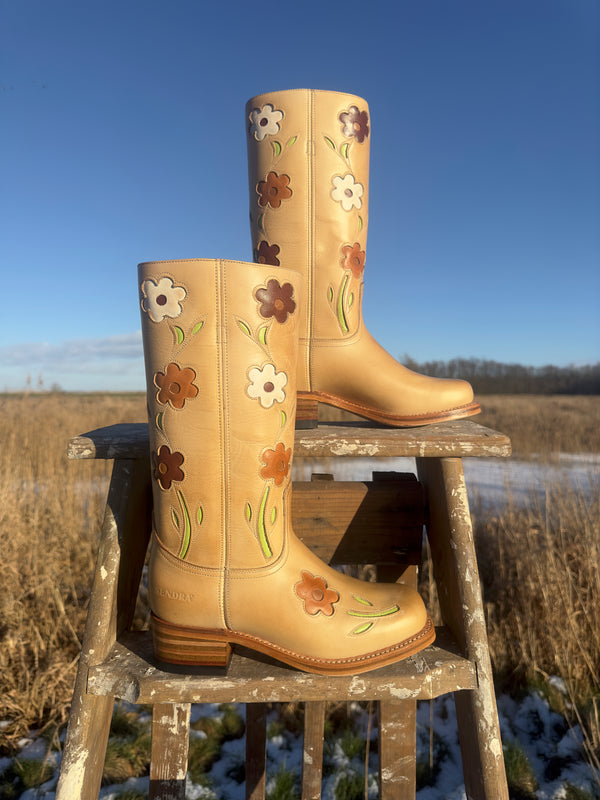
[308, 162]
[220, 343]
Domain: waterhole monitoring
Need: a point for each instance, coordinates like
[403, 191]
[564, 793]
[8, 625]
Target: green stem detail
[262, 533]
[187, 527]
[340, 306]
[368, 614]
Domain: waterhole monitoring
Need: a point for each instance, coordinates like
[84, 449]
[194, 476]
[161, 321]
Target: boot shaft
[308, 162]
[220, 345]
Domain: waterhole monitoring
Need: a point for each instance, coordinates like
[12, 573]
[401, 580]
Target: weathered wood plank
[360, 523]
[124, 440]
[131, 673]
[312, 750]
[256, 751]
[457, 577]
[460, 438]
[397, 750]
[89, 720]
[398, 722]
[170, 746]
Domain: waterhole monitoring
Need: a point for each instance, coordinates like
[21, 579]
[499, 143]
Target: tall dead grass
[50, 513]
[540, 570]
[540, 565]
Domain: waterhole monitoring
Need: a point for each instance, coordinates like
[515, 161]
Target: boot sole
[201, 647]
[308, 402]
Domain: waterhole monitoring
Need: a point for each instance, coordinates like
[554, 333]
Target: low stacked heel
[307, 412]
[175, 644]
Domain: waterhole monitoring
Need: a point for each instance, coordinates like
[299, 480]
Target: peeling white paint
[357, 686]
[404, 694]
[72, 775]
[103, 572]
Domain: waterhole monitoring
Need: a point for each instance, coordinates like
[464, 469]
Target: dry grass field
[540, 566]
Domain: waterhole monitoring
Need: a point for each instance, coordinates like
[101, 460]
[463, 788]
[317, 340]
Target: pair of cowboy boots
[236, 355]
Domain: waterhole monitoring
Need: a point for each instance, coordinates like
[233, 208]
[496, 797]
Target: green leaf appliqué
[243, 327]
[362, 600]
[276, 147]
[366, 626]
[291, 141]
[197, 327]
[330, 142]
[179, 335]
[344, 149]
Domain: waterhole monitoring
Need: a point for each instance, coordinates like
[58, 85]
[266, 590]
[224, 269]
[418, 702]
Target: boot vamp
[307, 607]
[361, 371]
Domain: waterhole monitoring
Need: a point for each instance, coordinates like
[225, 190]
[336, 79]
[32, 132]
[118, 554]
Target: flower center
[317, 595]
[263, 122]
[174, 388]
[273, 190]
[356, 126]
[348, 192]
[162, 468]
[280, 465]
[278, 304]
[161, 300]
[268, 387]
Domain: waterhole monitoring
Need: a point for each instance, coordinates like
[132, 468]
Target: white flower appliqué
[347, 192]
[265, 121]
[162, 299]
[267, 385]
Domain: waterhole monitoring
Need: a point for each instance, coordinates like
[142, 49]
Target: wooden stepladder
[376, 522]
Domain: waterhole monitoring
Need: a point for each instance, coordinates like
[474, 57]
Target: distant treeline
[492, 377]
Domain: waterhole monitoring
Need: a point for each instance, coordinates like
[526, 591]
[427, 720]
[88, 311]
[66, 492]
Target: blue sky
[123, 140]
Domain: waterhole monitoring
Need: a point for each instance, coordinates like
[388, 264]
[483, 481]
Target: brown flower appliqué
[277, 464]
[167, 466]
[176, 385]
[317, 597]
[273, 190]
[267, 253]
[356, 123]
[276, 300]
[354, 259]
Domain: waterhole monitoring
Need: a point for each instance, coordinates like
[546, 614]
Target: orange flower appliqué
[354, 259]
[277, 464]
[317, 597]
[176, 385]
[167, 466]
[276, 300]
[273, 190]
[267, 253]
